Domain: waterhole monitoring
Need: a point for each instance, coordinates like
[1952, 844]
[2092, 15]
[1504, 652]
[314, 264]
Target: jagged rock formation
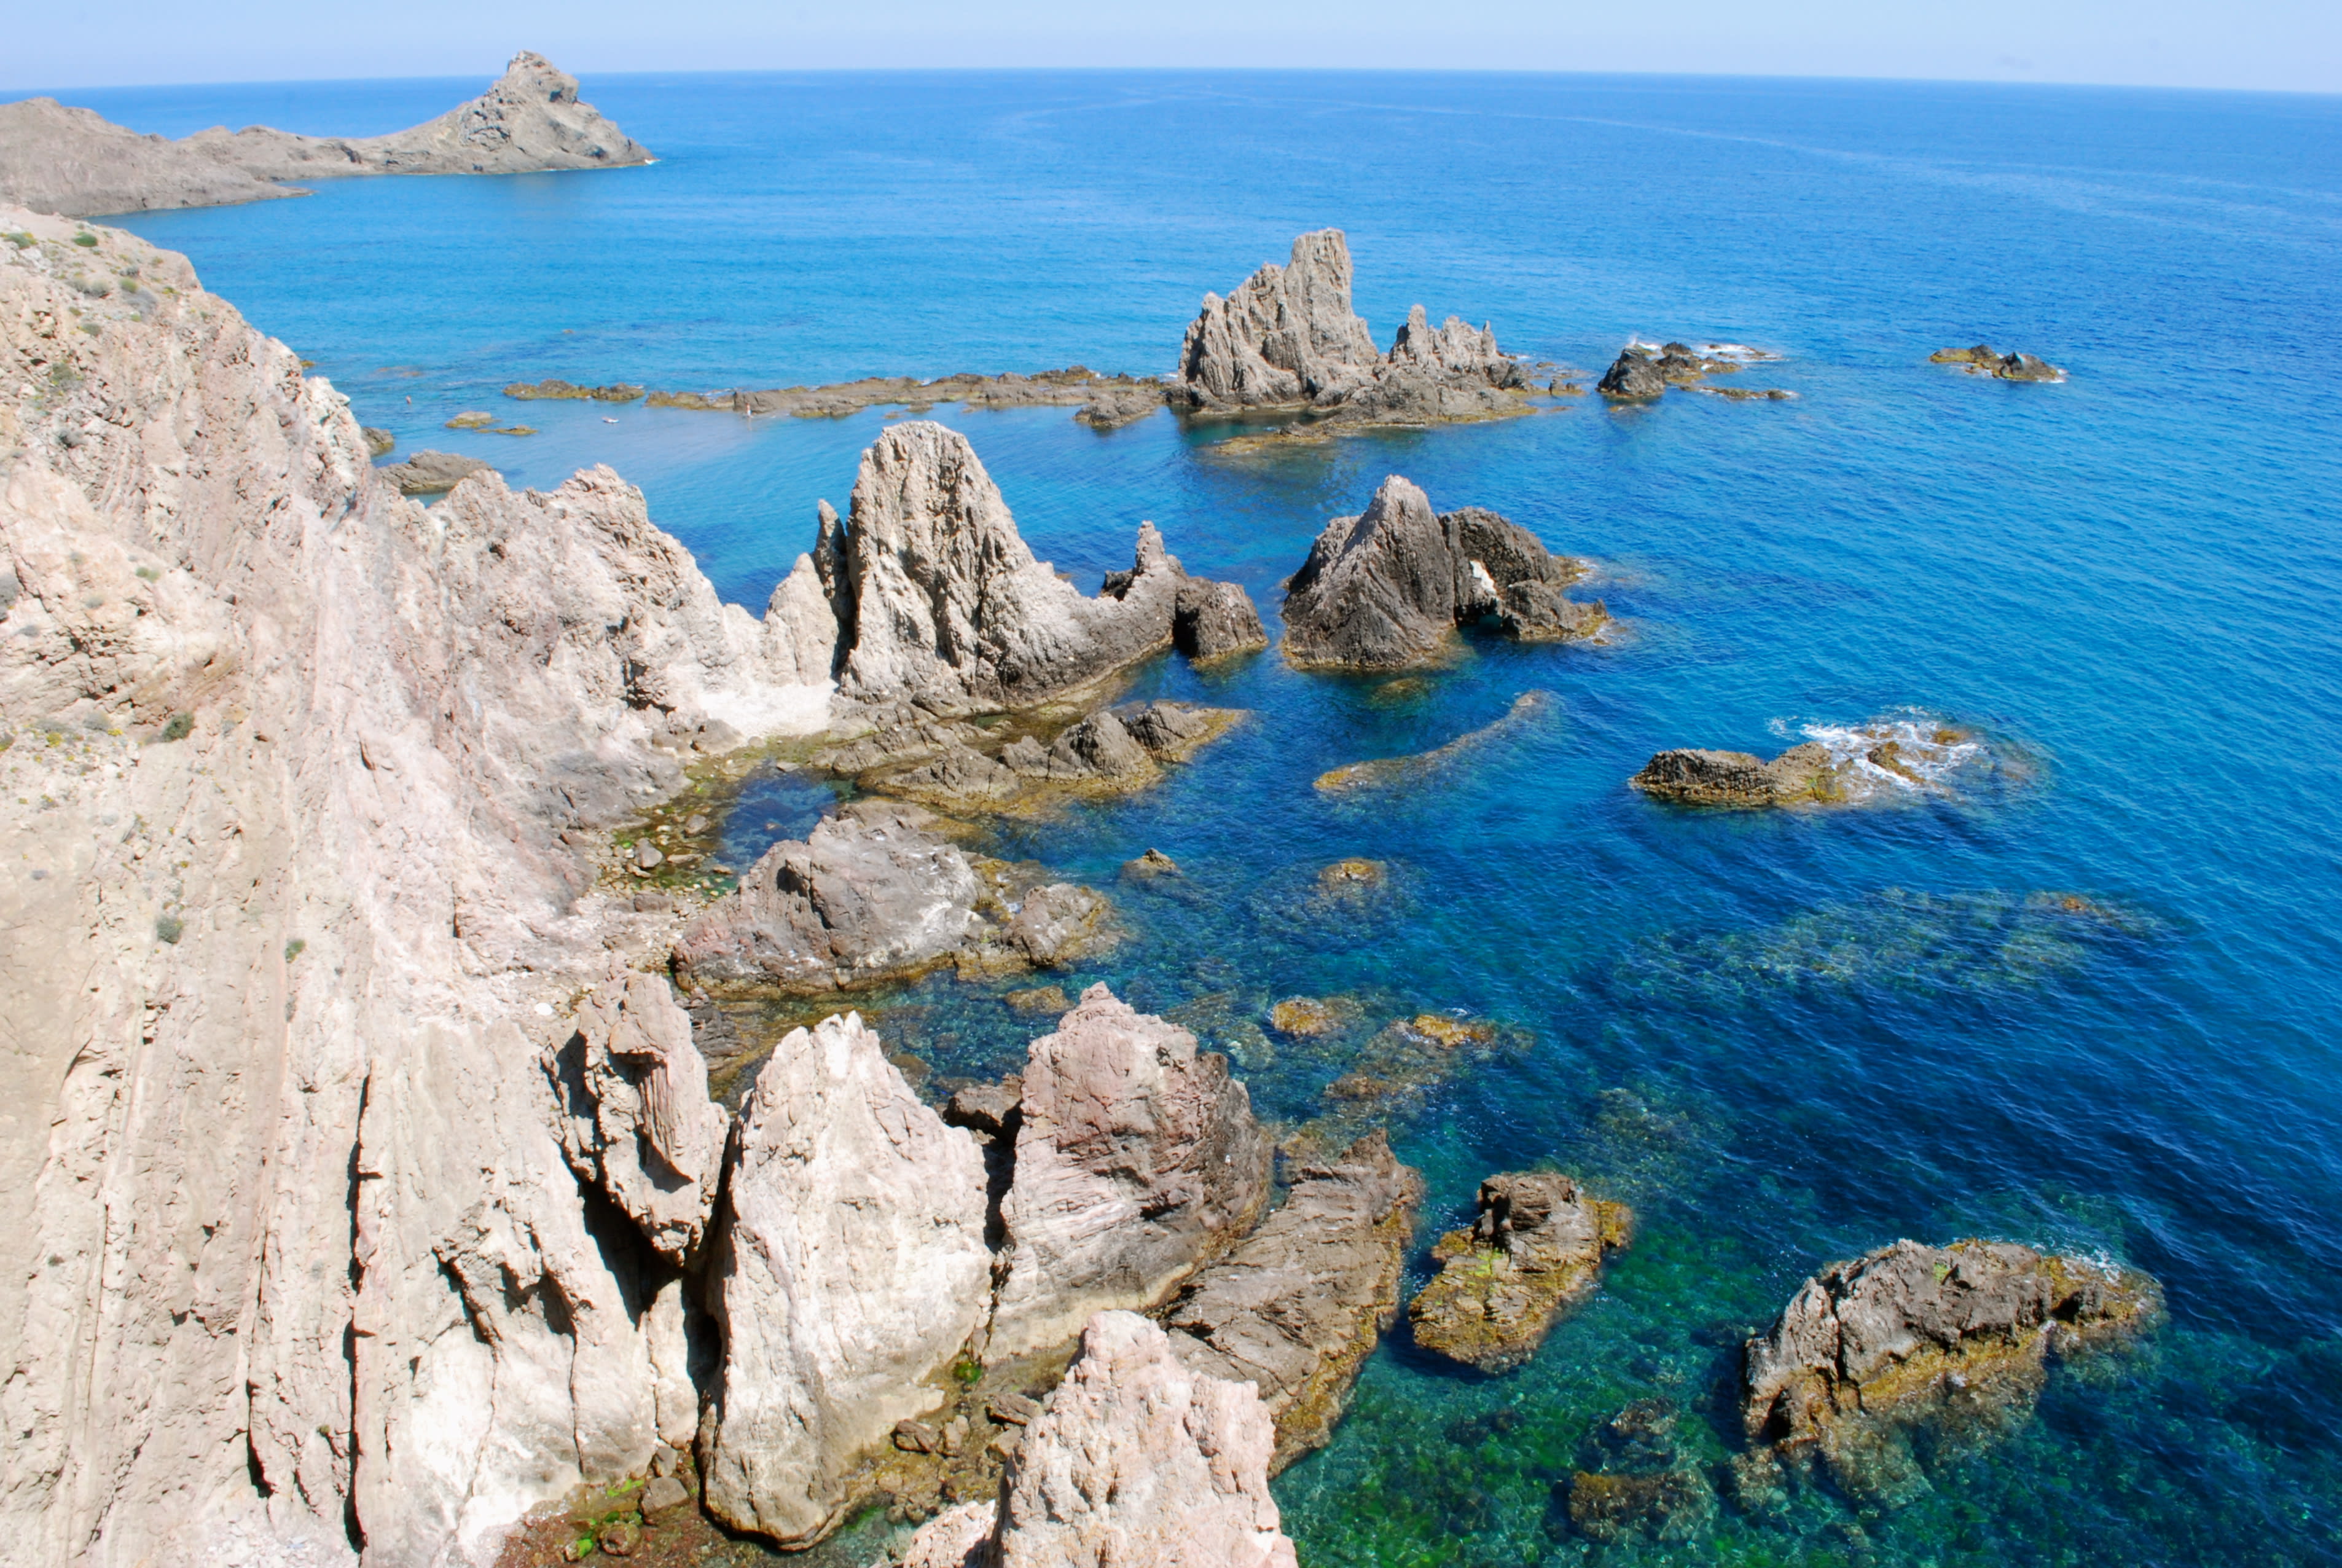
[1637, 375]
[1632, 378]
[1137, 1161]
[850, 1270]
[1301, 1302]
[872, 895]
[62, 160]
[1940, 1347]
[304, 1254]
[1803, 773]
[1534, 1246]
[1287, 338]
[1985, 360]
[939, 601]
[1212, 620]
[1137, 1462]
[639, 1123]
[1386, 588]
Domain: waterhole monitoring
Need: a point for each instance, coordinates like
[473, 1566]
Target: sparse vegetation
[293, 949]
[86, 240]
[181, 726]
[169, 927]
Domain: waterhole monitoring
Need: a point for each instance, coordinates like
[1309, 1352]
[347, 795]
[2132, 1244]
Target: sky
[2281, 45]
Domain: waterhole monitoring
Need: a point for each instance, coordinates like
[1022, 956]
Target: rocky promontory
[1944, 1347]
[1387, 588]
[56, 159]
[1287, 338]
[1534, 1246]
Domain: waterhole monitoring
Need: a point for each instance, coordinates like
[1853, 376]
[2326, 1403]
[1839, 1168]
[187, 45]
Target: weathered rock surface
[555, 389]
[1300, 1303]
[70, 161]
[1288, 338]
[1387, 588]
[1632, 378]
[1212, 620]
[638, 1123]
[1104, 401]
[1113, 751]
[379, 442]
[1137, 1462]
[1116, 407]
[303, 1255]
[1985, 360]
[1534, 1247]
[1137, 1161]
[851, 1269]
[1912, 1350]
[1803, 773]
[431, 472]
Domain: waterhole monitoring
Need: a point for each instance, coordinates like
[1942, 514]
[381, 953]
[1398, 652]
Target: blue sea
[2087, 998]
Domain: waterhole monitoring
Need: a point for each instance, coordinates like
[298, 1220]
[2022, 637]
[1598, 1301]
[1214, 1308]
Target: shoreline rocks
[1640, 375]
[1299, 1304]
[1914, 1348]
[1104, 402]
[71, 161]
[1534, 1246]
[1387, 588]
[1983, 359]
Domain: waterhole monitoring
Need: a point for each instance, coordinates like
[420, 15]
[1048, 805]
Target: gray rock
[1114, 407]
[1387, 588]
[1300, 1303]
[663, 1494]
[1058, 924]
[1137, 1161]
[1632, 378]
[430, 473]
[379, 442]
[647, 857]
[1695, 778]
[1212, 620]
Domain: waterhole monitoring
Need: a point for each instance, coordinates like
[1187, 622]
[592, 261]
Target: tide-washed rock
[869, 894]
[431, 472]
[1912, 1352]
[1112, 752]
[1695, 778]
[1138, 1161]
[638, 1123]
[1300, 1303]
[1116, 407]
[1985, 360]
[1212, 620]
[1534, 1246]
[849, 1270]
[1386, 588]
[1137, 1462]
[1632, 378]
[1288, 338]
[379, 442]
[555, 389]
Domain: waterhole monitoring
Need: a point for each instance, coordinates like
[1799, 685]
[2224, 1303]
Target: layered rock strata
[62, 160]
[1805, 773]
[1139, 1461]
[1914, 1349]
[1983, 359]
[306, 1260]
[1534, 1246]
[1298, 1307]
[850, 1270]
[1386, 589]
[1287, 338]
[1138, 1161]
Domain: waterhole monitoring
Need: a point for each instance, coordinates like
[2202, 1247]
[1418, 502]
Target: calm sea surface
[2088, 1002]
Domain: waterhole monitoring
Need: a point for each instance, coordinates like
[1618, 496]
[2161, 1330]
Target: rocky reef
[1101, 401]
[1896, 758]
[430, 473]
[1534, 1246]
[55, 159]
[1638, 1481]
[1983, 359]
[1113, 751]
[1387, 588]
[1286, 339]
[1389, 773]
[1914, 1353]
[1303, 1301]
[1640, 375]
[1694, 778]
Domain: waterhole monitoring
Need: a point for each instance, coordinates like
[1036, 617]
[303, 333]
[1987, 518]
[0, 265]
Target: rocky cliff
[57, 159]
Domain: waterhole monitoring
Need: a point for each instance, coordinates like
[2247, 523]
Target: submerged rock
[1387, 588]
[1300, 1303]
[431, 472]
[1535, 1247]
[1138, 1161]
[849, 1271]
[1803, 773]
[1914, 1349]
[1387, 772]
[1288, 338]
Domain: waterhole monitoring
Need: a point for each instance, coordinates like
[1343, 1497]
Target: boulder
[1534, 1246]
[430, 473]
[1138, 1161]
[1299, 1304]
[1212, 620]
[379, 442]
[849, 1270]
[1116, 407]
[1694, 778]
[1386, 589]
[1915, 1349]
[1632, 378]
[636, 1119]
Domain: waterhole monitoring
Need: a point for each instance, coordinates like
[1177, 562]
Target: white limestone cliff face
[850, 1272]
[307, 1267]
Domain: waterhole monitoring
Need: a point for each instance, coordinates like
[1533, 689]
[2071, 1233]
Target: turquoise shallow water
[1784, 1039]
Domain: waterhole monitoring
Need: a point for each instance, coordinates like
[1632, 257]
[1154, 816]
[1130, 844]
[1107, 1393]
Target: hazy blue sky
[2293, 45]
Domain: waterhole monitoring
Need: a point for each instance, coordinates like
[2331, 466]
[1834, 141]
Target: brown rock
[1803, 773]
[1535, 1247]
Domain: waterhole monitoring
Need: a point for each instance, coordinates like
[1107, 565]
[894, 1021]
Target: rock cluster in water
[1697, 778]
[1287, 338]
[55, 159]
[1913, 1349]
[1387, 588]
[1983, 359]
[1639, 375]
[1534, 1246]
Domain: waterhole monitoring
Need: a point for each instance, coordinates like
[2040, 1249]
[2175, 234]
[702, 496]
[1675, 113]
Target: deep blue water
[1784, 1039]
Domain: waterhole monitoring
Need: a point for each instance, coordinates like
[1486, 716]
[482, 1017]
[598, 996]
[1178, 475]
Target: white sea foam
[1929, 754]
